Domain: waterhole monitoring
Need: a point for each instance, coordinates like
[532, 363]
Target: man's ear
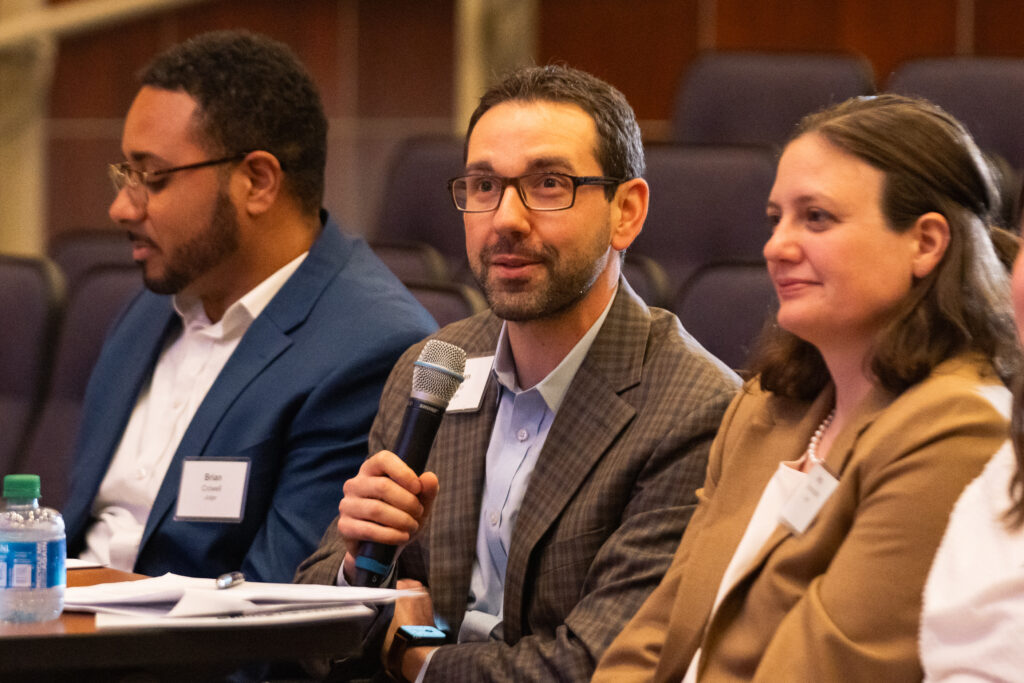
[931, 239]
[629, 212]
[263, 180]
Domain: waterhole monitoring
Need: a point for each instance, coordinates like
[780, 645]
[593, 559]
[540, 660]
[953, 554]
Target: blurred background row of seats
[748, 98]
[54, 332]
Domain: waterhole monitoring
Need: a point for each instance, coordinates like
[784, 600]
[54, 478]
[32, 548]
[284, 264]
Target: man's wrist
[348, 568]
[414, 660]
[410, 648]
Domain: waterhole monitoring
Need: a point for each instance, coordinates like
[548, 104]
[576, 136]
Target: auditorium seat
[416, 206]
[648, 279]
[31, 302]
[985, 93]
[725, 306]
[707, 205]
[103, 291]
[756, 98]
[414, 261]
[77, 251]
[447, 301]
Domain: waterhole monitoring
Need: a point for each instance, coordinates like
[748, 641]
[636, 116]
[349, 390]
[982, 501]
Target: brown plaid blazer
[605, 508]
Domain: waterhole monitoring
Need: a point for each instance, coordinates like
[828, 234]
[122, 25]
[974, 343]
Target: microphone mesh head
[438, 372]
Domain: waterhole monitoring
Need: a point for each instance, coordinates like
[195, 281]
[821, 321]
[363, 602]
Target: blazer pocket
[562, 573]
[575, 550]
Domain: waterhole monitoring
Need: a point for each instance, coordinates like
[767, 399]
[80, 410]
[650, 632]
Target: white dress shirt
[188, 366]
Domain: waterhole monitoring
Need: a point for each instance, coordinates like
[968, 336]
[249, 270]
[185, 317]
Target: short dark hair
[252, 94]
[620, 150]
[930, 163]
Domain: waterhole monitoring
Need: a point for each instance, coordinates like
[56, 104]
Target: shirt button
[522, 435]
[141, 473]
[494, 519]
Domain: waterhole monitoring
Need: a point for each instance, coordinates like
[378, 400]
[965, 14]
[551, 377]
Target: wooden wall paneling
[889, 32]
[998, 25]
[95, 81]
[778, 25]
[95, 72]
[309, 27]
[406, 58]
[642, 53]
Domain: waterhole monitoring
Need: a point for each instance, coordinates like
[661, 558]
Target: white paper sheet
[305, 615]
[75, 563]
[172, 597]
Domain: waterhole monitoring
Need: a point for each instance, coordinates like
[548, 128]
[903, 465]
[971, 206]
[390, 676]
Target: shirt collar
[554, 386]
[241, 313]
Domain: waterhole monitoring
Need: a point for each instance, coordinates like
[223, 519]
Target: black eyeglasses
[538, 191]
[123, 176]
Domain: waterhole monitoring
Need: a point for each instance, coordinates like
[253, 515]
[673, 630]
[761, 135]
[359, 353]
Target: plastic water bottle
[32, 554]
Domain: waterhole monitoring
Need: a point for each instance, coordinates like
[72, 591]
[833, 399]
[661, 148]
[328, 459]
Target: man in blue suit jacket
[233, 399]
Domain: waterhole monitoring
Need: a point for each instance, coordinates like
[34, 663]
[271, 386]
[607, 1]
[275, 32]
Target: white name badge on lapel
[471, 392]
[805, 503]
[212, 490]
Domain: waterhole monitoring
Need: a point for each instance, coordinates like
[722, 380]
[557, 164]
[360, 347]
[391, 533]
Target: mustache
[504, 246]
[139, 237]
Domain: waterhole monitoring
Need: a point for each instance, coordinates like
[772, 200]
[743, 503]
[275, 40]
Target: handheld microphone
[436, 376]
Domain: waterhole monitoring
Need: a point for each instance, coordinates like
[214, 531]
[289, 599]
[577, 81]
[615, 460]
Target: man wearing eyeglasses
[565, 470]
[234, 397]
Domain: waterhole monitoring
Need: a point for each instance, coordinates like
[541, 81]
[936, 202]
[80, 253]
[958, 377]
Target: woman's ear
[630, 210]
[931, 239]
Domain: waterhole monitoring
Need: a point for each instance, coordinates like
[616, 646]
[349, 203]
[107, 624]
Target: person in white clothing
[972, 625]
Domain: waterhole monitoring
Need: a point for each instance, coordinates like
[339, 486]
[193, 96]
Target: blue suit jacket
[296, 398]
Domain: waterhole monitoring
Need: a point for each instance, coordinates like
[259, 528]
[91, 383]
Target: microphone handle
[419, 427]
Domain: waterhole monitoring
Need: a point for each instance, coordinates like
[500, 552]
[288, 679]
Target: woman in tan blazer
[877, 397]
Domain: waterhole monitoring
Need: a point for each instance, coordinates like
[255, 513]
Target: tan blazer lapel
[842, 448]
[738, 489]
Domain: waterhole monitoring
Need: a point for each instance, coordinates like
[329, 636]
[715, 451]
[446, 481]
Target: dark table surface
[71, 648]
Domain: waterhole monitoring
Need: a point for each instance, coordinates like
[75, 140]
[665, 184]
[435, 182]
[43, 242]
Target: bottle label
[32, 565]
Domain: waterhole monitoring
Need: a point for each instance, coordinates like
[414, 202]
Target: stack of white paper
[171, 600]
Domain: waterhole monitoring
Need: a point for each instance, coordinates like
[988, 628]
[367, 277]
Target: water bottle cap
[21, 486]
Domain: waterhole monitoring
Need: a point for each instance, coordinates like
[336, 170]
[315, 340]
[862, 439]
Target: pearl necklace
[812, 445]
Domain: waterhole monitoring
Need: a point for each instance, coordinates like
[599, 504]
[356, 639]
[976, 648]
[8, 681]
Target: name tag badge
[212, 490]
[471, 392]
[805, 503]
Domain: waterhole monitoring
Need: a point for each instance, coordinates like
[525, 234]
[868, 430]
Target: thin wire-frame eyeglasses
[123, 176]
[547, 191]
